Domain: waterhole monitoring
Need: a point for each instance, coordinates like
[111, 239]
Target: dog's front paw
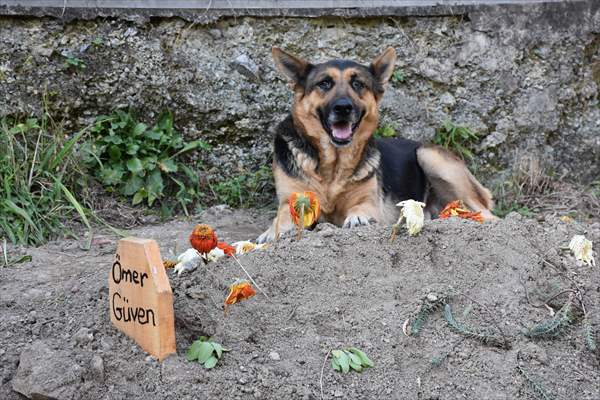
[357, 220]
[266, 236]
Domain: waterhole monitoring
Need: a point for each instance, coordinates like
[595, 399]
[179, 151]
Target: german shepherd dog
[326, 146]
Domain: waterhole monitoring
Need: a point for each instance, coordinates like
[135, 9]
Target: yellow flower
[412, 211]
[582, 249]
[243, 246]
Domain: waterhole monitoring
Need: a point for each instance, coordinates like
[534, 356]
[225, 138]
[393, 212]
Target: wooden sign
[140, 296]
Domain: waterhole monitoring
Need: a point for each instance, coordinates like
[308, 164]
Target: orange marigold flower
[169, 263]
[203, 238]
[456, 209]
[227, 249]
[238, 291]
[305, 206]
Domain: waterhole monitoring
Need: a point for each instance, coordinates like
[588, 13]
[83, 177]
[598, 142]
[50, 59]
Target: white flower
[582, 249]
[187, 261]
[243, 246]
[215, 254]
[412, 211]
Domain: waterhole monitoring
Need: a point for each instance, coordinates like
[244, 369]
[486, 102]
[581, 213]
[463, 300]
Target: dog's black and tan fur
[326, 146]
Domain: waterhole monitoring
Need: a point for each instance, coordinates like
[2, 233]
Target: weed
[248, 189]
[97, 41]
[74, 62]
[385, 131]
[456, 138]
[556, 325]
[143, 163]
[38, 173]
[537, 387]
[430, 304]
[398, 76]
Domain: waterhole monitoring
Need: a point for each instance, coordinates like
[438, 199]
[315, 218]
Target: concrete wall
[524, 77]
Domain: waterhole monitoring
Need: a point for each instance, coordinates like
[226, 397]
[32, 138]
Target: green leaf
[167, 165]
[355, 366]
[132, 148]
[153, 134]
[363, 357]
[111, 176]
[165, 121]
[210, 363]
[139, 196]
[66, 149]
[205, 352]
[134, 165]
[192, 352]
[74, 203]
[342, 359]
[114, 152]
[192, 146]
[218, 349]
[335, 365]
[154, 183]
[138, 129]
[132, 185]
[354, 358]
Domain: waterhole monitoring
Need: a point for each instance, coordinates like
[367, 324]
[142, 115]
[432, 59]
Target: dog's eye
[357, 85]
[325, 84]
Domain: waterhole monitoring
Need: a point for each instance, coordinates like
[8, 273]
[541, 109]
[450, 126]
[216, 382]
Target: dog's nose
[343, 107]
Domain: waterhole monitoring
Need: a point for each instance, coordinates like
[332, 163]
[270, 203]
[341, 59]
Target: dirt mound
[332, 289]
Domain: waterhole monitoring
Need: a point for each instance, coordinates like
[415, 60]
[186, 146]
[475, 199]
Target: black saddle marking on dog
[286, 139]
[402, 177]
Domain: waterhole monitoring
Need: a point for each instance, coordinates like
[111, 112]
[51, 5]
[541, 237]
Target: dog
[326, 145]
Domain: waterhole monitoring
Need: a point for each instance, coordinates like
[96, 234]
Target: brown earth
[332, 289]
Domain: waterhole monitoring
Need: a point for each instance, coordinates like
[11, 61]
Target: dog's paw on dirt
[353, 221]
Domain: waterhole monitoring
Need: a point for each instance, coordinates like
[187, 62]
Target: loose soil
[332, 289]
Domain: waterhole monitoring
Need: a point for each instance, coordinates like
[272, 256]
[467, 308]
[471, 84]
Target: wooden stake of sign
[140, 296]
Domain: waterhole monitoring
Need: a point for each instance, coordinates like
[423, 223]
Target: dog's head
[337, 100]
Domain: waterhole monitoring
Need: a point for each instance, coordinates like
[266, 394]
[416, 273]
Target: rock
[246, 66]
[447, 99]
[97, 368]
[273, 355]
[83, 337]
[492, 140]
[45, 373]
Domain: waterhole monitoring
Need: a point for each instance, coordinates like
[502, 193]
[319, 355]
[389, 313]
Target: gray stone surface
[46, 373]
[529, 75]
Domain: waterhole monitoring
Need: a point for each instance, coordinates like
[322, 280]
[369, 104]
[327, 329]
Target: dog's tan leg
[451, 180]
[362, 214]
[281, 224]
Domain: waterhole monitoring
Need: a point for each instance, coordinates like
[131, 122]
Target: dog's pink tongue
[341, 131]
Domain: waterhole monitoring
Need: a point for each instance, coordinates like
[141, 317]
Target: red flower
[455, 209]
[304, 209]
[203, 238]
[238, 291]
[227, 249]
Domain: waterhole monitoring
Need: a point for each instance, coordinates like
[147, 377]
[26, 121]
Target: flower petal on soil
[582, 249]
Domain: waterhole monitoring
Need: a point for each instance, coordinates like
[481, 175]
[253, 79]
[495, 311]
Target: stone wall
[525, 78]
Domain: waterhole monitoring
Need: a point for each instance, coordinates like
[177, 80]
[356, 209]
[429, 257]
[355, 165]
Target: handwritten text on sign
[141, 300]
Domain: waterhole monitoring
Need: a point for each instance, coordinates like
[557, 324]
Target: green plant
[38, 176]
[248, 189]
[483, 336]
[143, 163]
[205, 351]
[398, 76]
[538, 388]
[351, 358]
[456, 138]
[429, 305]
[555, 325]
[97, 41]
[385, 131]
[74, 62]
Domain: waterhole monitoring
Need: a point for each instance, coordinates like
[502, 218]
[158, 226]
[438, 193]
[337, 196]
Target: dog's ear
[292, 67]
[383, 66]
